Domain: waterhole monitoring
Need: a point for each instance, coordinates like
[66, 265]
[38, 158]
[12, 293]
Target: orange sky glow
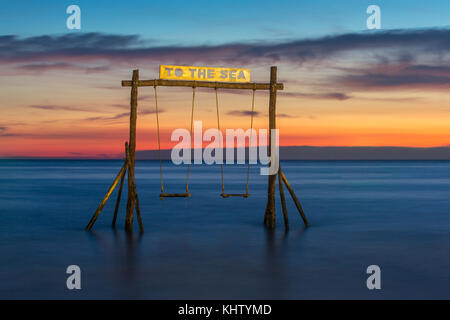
[79, 113]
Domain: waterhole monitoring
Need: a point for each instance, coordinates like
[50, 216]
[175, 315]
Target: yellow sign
[204, 74]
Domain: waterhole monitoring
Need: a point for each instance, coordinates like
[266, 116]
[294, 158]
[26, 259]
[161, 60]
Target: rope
[159, 140]
[220, 140]
[251, 135]
[192, 126]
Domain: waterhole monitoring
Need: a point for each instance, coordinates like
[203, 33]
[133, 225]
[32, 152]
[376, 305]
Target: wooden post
[108, 194]
[132, 150]
[135, 198]
[269, 217]
[294, 197]
[283, 202]
[119, 195]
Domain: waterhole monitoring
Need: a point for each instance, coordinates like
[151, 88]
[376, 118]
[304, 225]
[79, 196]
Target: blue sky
[212, 22]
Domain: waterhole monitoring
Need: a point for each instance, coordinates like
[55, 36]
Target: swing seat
[163, 195]
[246, 194]
[227, 195]
[174, 195]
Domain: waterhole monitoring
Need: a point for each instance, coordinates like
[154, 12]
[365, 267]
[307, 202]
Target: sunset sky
[61, 94]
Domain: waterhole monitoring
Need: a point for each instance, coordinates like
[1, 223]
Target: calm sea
[392, 214]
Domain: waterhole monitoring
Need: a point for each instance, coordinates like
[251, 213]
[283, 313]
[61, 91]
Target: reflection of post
[269, 218]
[132, 150]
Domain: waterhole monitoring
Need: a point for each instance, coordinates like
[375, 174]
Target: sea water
[392, 214]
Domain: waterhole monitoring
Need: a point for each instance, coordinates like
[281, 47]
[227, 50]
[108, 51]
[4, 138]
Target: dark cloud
[43, 66]
[110, 87]
[13, 48]
[85, 154]
[285, 115]
[71, 134]
[395, 80]
[144, 97]
[396, 75]
[431, 70]
[59, 108]
[397, 57]
[90, 155]
[240, 113]
[9, 134]
[120, 116]
[108, 118]
[95, 46]
[47, 66]
[326, 96]
[75, 108]
[96, 69]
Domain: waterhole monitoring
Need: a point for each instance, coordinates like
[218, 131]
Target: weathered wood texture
[269, 217]
[174, 195]
[132, 151]
[294, 197]
[227, 195]
[202, 84]
[283, 202]
[138, 212]
[119, 195]
[105, 199]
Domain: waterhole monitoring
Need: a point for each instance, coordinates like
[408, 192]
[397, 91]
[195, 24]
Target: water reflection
[123, 247]
[278, 264]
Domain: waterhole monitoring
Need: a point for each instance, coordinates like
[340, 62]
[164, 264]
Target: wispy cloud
[95, 46]
[107, 118]
[48, 47]
[120, 116]
[4, 132]
[59, 108]
[245, 113]
[40, 67]
[241, 113]
[396, 75]
[326, 96]
[417, 57]
[285, 115]
[50, 107]
[9, 134]
[88, 155]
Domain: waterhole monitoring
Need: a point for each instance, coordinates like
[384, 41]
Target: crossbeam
[201, 84]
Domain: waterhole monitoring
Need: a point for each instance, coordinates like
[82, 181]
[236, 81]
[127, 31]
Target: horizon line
[342, 157]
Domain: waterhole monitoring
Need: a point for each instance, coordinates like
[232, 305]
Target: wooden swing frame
[130, 151]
